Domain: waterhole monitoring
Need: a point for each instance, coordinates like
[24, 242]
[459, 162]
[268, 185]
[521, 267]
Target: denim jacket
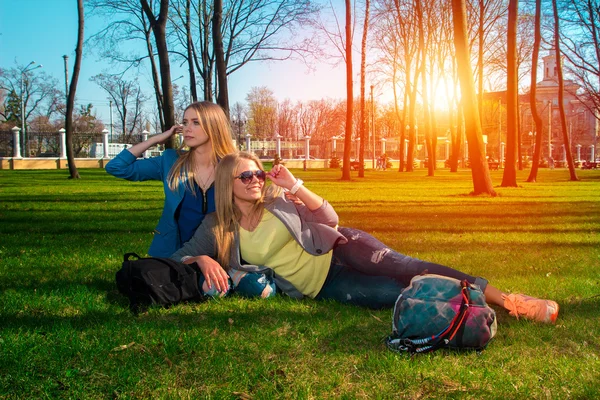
[166, 235]
[315, 231]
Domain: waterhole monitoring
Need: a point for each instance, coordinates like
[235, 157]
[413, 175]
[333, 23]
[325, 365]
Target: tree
[187, 40]
[561, 95]
[74, 174]
[482, 182]
[533, 92]
[392, 42]
[262, 112]
[349, 93]
[85, 124]
[222, 89]
[406, 19]
[128, 100]
[581, 47]
[424, 91]
[286, 119]
[509, 177]
[10, 110]
[40, 94]
[127, 22]
[159, 24]
[363, 60]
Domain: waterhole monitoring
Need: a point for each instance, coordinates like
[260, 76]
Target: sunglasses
[246, 176]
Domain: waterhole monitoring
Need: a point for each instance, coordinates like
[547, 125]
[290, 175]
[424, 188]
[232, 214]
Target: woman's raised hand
[163, 137]
[281, 176]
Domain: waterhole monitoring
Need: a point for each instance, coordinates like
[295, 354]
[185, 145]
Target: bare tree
[390, 40]
[533, 93]
[183, 10]
[423, 67]
[73, 173]
[128, 22]
[159, 25]
[40, 94]
[349, 92]
[363, 60]
[482, 182]
[127, 98]
[561, 94]
[222, 89]
[509, 178]
[581, 41]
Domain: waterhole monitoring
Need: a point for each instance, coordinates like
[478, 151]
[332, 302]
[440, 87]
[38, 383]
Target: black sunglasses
[246, 176]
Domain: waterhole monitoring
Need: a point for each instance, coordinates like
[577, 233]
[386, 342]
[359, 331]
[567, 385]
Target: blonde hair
[228, 213]
[214, 122]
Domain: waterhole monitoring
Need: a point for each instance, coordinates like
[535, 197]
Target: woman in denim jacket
[187, 177]
[306, 253]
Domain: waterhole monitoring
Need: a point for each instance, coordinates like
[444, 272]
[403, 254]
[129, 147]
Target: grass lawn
[65, 332]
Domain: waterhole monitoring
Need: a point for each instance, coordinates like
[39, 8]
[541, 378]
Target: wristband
[294, 189]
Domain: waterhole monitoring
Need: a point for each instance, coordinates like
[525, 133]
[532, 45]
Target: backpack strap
[175, 266]
[457, 324]
[128, 255]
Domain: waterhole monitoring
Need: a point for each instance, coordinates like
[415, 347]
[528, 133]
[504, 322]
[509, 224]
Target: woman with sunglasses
[301, 246]
[187, 175]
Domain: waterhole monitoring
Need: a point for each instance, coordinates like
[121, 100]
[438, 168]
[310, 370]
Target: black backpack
[152, 280]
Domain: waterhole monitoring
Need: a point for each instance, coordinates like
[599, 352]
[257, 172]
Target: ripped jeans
[367, 273]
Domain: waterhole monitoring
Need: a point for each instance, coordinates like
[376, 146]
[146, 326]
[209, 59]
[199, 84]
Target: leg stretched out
[369, 256]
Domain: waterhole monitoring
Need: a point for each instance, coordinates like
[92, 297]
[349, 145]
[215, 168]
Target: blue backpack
[439, 312]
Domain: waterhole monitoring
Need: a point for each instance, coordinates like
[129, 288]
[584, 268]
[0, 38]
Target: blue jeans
[367, 273]
[246, 284]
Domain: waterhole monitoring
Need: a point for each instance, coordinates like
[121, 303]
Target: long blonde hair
[216, 125]
[229, 214]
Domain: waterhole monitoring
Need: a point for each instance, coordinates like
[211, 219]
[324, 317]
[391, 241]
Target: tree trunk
[363, 61]
[480, 35]
[349, 94]
[73, 173]
[190, 51]
[509, 178]
[455, 124]
[155, 78]
[159, 28]
[223, 92]
[207, 62]
[403, 132]
[412, 120]
[482, 183]
[422, 51]
[561, 97]
[533, 94]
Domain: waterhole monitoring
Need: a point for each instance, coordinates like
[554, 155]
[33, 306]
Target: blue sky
[44, 31]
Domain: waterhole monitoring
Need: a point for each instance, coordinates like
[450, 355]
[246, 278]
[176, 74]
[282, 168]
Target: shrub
[334, 162]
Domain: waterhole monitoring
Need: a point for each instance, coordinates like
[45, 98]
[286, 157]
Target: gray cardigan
[315, 231]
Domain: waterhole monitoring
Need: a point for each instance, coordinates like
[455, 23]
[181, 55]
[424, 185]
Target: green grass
[62, 322]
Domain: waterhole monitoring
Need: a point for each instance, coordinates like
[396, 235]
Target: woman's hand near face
[163, 137]
[281, 176]
[214, 275]
[138, 149]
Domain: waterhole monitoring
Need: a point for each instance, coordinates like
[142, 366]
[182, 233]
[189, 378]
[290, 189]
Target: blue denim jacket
[315, 231]
[166, 235]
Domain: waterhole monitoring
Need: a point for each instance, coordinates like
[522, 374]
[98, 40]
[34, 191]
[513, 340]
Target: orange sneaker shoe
[519, 305]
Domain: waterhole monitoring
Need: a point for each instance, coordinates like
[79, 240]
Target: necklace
[204, 184]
